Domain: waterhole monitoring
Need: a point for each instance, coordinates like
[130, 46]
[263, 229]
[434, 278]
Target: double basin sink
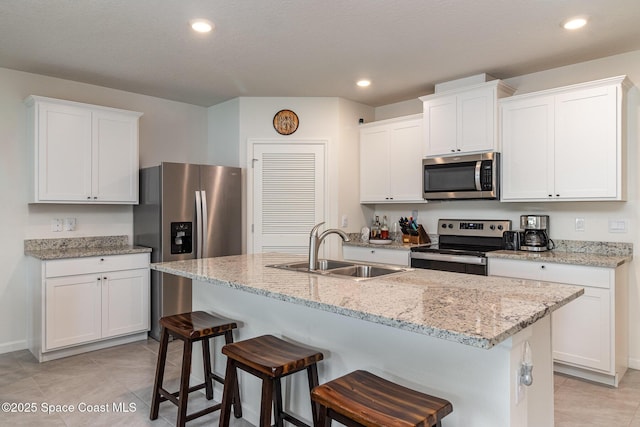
[345, 269]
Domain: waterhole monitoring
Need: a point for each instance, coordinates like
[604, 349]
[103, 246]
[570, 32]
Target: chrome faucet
[315, 241]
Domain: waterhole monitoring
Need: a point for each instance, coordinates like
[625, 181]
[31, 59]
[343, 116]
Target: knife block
[420, 238]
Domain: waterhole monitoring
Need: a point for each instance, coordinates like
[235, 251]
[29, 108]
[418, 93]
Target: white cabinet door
[374, 164]
[391, 161]
[115, 157]
[581, 330]
[125, 302]
[441, 129]
[527, 149]
[72, 310]
[405, 161]
[64, 152]
[586, 149]
[476, 120]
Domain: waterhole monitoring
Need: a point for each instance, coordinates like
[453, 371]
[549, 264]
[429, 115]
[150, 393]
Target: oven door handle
[465, 259]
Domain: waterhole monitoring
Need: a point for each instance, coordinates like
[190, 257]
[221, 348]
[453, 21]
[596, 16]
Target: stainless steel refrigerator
[185, 211]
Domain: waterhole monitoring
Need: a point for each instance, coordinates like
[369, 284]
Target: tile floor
[124, 375]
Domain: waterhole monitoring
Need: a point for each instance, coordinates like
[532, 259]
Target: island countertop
[478, 311]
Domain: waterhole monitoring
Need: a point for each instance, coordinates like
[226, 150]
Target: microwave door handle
[477, 175]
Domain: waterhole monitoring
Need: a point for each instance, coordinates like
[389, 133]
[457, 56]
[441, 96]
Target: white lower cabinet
[376, 255]
[84, 303]
[589, 335]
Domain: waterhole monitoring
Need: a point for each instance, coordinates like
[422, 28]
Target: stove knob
[499, 227]
[444, 225]
[492, 227]
[450, 225]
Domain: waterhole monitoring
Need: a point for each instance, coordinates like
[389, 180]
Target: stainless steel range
[462, 246]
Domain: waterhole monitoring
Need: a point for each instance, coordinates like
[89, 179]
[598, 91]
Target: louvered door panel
[288, 195]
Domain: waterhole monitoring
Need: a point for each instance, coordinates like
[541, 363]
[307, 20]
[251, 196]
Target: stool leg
[323, 420]
[266, 402]
[230, 382]
[277, 403]
[208, 375]
[312, 375]
[183, 394]
[237, 405]
[162, 359]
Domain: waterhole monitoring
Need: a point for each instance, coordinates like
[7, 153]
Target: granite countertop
[587, 253]
[478, 311]
[80, 247]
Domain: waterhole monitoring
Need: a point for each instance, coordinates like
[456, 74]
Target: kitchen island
[460, 337]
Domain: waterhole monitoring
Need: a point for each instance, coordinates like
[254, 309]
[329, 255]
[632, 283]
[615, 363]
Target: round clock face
[285, 122]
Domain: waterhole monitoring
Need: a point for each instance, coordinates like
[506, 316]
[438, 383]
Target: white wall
[562, 215]
[168, 131]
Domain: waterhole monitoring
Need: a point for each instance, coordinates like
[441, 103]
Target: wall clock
[285, 122]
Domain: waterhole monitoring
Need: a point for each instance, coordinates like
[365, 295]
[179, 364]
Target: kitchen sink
[345, 269]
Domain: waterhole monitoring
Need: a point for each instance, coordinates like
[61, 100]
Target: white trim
[12, 346]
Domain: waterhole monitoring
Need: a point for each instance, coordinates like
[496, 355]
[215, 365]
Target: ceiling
[304, 47]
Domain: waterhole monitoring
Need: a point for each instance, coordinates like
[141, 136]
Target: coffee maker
[535, 237]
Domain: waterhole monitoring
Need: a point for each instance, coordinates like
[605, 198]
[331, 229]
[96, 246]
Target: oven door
[445, 262]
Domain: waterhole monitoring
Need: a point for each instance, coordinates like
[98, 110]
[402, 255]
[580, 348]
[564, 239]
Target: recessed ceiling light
[574, 23]
[201, 25]
[363, 83]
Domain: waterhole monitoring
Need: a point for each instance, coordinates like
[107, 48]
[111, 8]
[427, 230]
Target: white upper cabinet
[565, 144]
[463, 120]
[391, 160]
[82, 153]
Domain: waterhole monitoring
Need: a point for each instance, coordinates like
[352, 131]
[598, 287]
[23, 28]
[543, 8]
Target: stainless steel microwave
[473, 176]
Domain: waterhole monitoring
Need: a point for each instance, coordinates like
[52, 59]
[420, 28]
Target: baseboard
[13, 346]
[634, 363]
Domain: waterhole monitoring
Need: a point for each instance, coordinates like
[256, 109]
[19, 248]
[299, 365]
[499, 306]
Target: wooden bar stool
[363, 399]
[270, 359]
[192, 327]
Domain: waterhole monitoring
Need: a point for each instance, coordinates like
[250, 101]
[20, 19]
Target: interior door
[288, 194]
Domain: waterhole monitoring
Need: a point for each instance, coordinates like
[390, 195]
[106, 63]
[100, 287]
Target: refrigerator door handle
[198, 225]
[205, 232]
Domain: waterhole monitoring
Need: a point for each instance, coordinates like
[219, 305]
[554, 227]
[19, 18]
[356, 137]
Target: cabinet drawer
[597, 277]
[375, 255]
[73, 266]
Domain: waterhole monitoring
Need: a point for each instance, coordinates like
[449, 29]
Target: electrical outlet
[69, 224]
[56, 224]
[345, 221]
[579, 224]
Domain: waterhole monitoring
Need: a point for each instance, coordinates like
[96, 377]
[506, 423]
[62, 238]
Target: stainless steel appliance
[462, 246]
[535, 235]
[186, 211]
[511, 240]
[474, 176]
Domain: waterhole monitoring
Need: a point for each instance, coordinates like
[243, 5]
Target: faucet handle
[314, 230]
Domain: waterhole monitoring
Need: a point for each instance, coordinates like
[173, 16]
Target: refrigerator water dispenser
[181, 237]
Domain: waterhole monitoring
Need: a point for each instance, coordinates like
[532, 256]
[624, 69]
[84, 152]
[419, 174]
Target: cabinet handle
[95, 197]
[104, 278]
[99, 278]
[458, 149]
[557, 195]
[88, 197]
[542, 266]
[453, 151]
[101, 259]
[373, 251]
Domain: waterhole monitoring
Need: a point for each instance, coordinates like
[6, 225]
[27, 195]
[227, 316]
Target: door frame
[251, 143]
